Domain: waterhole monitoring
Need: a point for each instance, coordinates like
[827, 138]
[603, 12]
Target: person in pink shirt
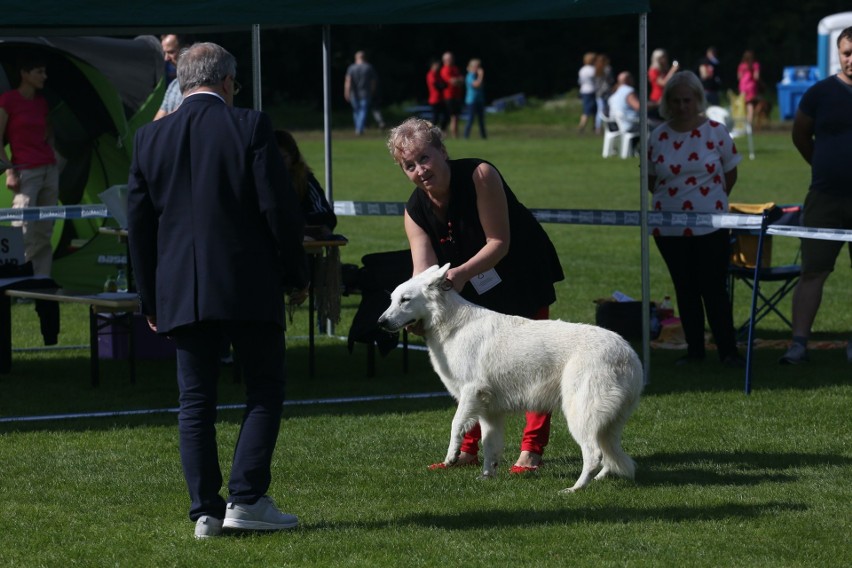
[748, 73]
[33, 176]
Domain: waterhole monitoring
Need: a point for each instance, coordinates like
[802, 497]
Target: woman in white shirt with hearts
[693, 163]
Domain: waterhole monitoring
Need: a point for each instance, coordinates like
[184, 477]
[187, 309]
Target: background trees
[539, 58]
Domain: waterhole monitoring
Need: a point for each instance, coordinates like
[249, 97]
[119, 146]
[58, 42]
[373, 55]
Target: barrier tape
[55, 212]
[560, 216]
[808, 233]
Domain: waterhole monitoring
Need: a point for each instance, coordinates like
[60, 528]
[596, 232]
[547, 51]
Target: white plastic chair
[720, 115]
[627, 136]
[611, 136]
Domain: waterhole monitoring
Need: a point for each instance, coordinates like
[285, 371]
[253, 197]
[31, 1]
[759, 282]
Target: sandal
[521, 469]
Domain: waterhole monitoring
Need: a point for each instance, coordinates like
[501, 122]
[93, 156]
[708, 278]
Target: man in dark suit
[215, 237]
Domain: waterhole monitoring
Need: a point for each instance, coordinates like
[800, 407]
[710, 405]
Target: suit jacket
[215, 227]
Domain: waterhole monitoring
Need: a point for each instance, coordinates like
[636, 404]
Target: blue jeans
[475, 110]
[360, 110]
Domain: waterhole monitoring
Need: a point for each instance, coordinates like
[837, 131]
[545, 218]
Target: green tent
[99, 91]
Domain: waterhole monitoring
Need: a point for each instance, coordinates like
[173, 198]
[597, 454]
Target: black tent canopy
[90, 17]
[81, 16]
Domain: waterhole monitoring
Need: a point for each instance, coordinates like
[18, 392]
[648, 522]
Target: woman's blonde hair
[414, 132]
[656, 56]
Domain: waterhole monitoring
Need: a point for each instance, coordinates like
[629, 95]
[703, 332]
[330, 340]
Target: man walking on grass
[215, 234]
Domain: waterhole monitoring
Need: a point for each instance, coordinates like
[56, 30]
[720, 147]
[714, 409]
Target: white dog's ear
[440, 274]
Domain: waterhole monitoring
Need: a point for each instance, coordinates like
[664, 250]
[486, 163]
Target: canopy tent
[99, 90]
[80, 17]
[107, 16]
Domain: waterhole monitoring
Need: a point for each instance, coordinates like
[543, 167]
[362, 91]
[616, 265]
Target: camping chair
[381, 273]
[740, 122]
[744, 259]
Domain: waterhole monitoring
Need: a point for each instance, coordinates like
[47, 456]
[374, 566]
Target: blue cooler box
[795, 81]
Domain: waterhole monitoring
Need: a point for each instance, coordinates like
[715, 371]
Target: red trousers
[536, 432]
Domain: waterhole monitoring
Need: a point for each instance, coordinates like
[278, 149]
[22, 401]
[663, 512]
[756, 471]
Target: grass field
[724, 479]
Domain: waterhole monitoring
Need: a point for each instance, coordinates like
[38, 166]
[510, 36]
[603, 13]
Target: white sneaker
[797, 353]
[207, 527]
[262, 516]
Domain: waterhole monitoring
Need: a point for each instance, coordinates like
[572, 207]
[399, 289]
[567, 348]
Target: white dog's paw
[567, 491]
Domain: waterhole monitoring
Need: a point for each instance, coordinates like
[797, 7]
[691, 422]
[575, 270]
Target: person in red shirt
[33, 176]
[453, 92]
[435, 84]
[659, 73]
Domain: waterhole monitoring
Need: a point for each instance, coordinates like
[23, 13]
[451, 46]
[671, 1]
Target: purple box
[114, 339]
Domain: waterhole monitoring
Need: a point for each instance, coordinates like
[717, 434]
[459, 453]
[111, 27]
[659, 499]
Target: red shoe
[521, 469]
[442, 465]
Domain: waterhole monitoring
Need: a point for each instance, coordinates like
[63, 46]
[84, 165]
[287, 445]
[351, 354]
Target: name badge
[485, 281]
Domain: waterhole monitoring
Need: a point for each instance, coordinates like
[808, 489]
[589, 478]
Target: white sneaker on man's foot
[797, 353]
[262, 516]
[207, 527]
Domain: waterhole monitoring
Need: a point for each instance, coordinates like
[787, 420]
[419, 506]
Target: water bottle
[121, 281]
[110, 285]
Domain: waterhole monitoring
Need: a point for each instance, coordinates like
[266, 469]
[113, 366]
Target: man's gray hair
[204, 65]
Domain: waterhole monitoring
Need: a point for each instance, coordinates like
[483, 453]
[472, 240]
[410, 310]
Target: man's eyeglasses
[237, 86]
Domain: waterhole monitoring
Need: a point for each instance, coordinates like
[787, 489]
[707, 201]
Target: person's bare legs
[806, 300]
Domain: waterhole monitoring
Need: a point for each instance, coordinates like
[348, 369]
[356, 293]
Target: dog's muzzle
[391, 326]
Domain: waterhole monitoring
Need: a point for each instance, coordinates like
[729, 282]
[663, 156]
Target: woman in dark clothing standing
[464, 213]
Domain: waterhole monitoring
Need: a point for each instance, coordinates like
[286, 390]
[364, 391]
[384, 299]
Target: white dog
[494, 364]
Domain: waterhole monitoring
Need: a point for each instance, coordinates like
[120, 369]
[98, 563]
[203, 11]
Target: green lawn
[723, 479]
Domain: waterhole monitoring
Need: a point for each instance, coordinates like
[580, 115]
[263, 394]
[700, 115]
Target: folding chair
[744, 260]
[741, 124]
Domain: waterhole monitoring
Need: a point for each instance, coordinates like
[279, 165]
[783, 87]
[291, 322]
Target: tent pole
[643, 193]
[255, 68]
[326, 103]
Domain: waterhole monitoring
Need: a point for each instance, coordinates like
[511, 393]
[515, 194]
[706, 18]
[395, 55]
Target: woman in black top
[464, 213]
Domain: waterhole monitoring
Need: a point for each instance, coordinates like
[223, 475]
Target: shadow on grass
[497, 518]
[710, 468]
[826, 368]
[732, 468]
